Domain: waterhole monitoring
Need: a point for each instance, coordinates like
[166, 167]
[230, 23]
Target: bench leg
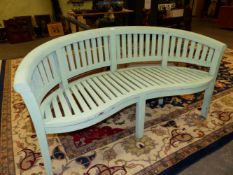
[140, 116]
[207, 99]
[44, 148]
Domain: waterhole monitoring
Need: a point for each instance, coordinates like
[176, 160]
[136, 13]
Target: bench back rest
[87, 52]
[135, 44]
[141, 44]
[45, 76]
[57, 61]
[189, 47]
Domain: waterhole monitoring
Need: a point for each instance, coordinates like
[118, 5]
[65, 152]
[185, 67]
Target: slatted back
[186, 50]
[192, 48]
[137, 44]
[57, 61]
[45, 76]
[84, 55]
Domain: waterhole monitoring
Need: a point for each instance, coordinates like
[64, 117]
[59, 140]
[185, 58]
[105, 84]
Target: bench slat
[80, 99]
[141, 45]
[153, 74]
[112, 88]
[140, 78]
[118, 48]
[196, 75]
[76, 55]
[147, 76]
[129, 77]
[83, 54]
[156, 79]
[70, 57]
[172, 74]
[129, 83]
[122, 83]
[160, 42]
[65, 105]
[117, 86]
[42, 73]
[204, 53]
[98, 90]
[135, 45]
[94, 50]
[103, 88]
[53, 67]
[165, 76]
[185, 49]
[153, 45]
[178, 47]
[178, 76]
[129, 44]
[72, 102]
[147, 52]
[198, 51]
[172, 46]
[56, 108]
[106, 48]
[181, 75]
[100, 50]
[123, 45]
[48, 113]
[162, 78]
[93, 94]
[191, 50]
[86, 96]
[38, 82]
[47, 69]
[210, 55]
[88, 51]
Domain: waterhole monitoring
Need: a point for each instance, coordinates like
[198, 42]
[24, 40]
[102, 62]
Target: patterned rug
[173, 133]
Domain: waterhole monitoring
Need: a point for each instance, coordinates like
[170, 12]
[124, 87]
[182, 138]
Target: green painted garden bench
[62, 94]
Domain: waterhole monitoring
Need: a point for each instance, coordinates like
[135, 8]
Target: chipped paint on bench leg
[140, 117]
[207, 100]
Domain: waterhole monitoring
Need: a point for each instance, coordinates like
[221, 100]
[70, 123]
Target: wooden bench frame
[92, 98]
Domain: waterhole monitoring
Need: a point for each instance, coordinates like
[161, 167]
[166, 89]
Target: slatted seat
[87, 98]
[60, 102]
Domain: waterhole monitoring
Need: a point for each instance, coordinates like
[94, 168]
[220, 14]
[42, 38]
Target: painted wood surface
[57, 104]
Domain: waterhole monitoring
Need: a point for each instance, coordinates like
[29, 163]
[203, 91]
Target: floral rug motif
[173, 132]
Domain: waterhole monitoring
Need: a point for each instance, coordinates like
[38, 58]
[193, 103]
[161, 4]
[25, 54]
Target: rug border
[6, 147]
[2, 74]
[192, 158]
